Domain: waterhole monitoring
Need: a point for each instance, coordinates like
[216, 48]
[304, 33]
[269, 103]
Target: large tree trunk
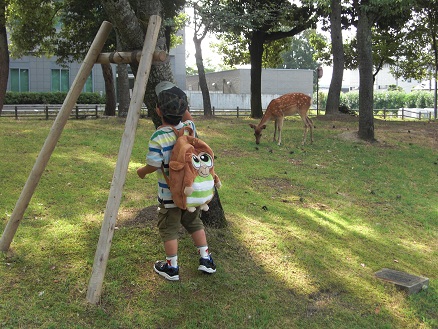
[131, 36]
[202, 78]
[110, 106]
[4, 57]
[123, 90]
[333, 97]
[256, 54]
[364, 48]
[131, 24]
[123, 98]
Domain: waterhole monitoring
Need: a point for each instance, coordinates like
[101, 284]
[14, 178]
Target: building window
[60, 80]
[19, 79]
[88, 87]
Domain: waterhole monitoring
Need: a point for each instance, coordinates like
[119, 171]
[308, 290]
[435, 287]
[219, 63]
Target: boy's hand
[141, 172]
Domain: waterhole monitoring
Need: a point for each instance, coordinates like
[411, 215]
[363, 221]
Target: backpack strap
[178, 133]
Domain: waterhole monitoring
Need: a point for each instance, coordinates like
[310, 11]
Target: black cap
[172, 101]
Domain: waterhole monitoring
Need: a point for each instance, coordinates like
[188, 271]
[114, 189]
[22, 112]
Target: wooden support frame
[148, 54]
[122, 57]
[54, 135]
[107, 231]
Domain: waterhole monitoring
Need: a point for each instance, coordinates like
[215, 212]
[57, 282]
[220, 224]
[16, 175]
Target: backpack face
[192, 178]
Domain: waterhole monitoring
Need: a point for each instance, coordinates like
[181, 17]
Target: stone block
[405, 281]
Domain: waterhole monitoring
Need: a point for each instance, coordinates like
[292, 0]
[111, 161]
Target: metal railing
[82, 111]
[50, 111]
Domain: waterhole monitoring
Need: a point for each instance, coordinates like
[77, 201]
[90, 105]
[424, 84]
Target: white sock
[172, 260]
[203, 252]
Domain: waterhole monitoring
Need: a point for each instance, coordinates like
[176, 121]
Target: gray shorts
[171, 219]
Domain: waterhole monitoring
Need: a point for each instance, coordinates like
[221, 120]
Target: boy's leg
[168, 226]
[193, 224]
[199, 238]
[171, 247]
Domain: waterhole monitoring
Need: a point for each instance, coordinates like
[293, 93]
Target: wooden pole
[127, 143]
[54, 134]
[121, 57]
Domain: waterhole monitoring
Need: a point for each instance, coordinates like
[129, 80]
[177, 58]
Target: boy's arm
[187, 116]
[148, 169]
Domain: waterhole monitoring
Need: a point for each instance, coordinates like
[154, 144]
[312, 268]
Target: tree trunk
[333, 97]
[110, 106]
[202, 78]
[256, 54]
[123, 90]
[131, 24]
[122, 85]
[215, 217]
[366, 119]
[4, 57]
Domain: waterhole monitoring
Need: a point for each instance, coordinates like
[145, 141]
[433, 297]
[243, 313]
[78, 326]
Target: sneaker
[207, 265]
[169, 272]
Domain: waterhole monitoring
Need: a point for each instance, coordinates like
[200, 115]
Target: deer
[286, 105]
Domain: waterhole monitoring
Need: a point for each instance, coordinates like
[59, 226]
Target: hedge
[13, 98]
[384, 99]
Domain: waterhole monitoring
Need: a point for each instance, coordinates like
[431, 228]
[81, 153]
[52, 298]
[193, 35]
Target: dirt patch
[145, 217]
[351, 136]
[322, 302]
[390, 133]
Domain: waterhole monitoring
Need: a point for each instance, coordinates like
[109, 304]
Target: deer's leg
[304, 119]
[310, 123]
[279, 124]
[275, 130]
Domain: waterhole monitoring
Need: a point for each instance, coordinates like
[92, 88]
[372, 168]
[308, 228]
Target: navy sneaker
[207, 265]
[169, 272]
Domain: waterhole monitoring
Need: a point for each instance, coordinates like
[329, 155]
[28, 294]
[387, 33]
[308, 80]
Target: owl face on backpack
[202, 162]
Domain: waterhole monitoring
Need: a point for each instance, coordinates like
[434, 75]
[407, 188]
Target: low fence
[403, 113]
[82, 111]
[237, 112]
[50, 111]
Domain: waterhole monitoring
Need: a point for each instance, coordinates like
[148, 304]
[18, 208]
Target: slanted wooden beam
[115, 195]
[128, 57]
[54, 135]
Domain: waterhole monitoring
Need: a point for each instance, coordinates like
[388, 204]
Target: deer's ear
[252, 126]
[263, 127]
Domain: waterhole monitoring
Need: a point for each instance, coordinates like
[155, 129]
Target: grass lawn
[307, 229]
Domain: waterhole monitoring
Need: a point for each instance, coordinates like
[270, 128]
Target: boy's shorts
[171, 219]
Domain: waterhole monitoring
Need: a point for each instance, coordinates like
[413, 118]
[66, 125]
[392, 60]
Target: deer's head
[257, 131]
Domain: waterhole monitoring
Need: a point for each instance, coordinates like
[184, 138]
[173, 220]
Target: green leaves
[32, 25]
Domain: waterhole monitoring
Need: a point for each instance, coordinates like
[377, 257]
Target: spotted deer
[286, 105]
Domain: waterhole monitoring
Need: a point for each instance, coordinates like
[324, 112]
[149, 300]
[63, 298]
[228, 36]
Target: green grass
[308, 228]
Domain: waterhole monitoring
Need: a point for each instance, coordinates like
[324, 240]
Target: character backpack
[192, 179]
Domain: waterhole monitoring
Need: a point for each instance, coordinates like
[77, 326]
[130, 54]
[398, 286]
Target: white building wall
[383, 79]
[227, 101]
[274, 81]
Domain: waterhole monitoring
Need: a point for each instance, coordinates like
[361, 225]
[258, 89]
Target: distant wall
[274, 81]
[227, 101]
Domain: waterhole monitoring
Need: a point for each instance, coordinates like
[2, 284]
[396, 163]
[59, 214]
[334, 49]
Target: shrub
[50, 98]
[393, 99]
[389, 99]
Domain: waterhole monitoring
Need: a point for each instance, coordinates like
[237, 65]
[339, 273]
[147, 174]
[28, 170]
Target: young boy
[172, 107]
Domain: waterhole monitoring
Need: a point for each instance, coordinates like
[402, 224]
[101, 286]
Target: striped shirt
[160, 147]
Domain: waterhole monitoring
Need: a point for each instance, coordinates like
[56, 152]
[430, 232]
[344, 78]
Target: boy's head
[172, 102]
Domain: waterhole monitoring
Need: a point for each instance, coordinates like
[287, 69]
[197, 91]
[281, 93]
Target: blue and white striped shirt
[160, 147]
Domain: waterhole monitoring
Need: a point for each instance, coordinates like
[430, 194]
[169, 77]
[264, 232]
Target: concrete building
[383, 80]
[42, 74]
[274, 81]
